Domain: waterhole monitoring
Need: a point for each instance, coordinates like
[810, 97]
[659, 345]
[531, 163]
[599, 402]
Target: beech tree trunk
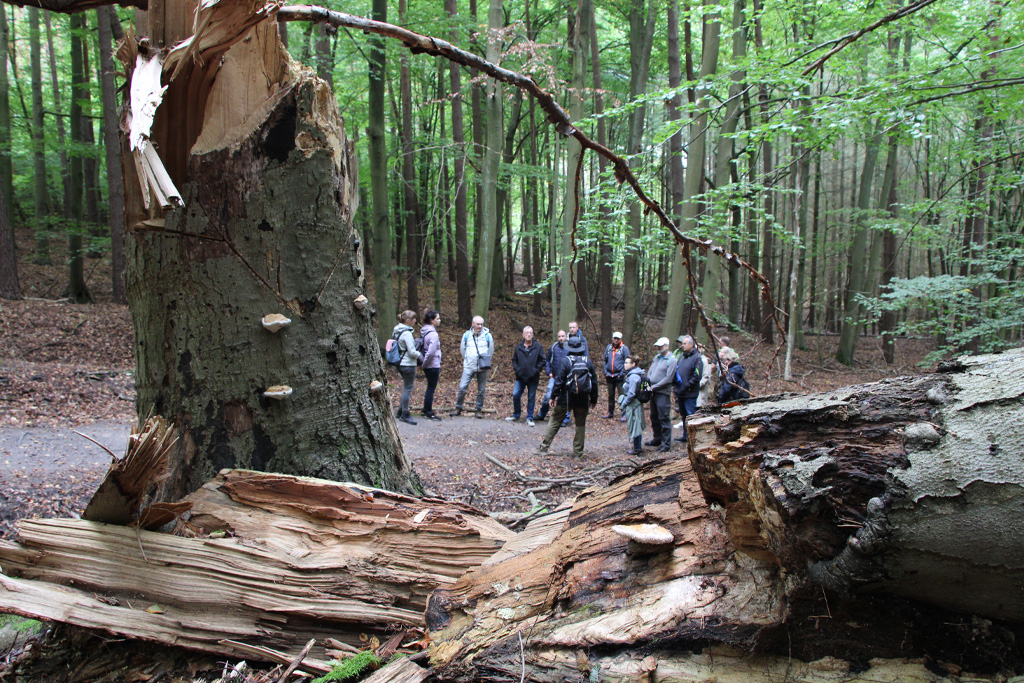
[258, 155]
[809, 536]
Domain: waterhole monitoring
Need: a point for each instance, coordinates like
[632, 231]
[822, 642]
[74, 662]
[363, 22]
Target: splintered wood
[271, 560]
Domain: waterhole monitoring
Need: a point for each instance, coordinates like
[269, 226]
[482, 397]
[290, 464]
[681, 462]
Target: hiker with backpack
[477, 349]
[635, 392]
[734, 385]
[431, 359]
[662, 374]
[575, 390]
[552, 362]
[402, 340]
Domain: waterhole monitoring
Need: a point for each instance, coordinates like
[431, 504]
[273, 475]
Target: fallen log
[263, 559]
[870, 533]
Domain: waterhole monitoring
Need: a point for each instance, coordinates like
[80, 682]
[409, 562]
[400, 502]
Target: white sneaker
[679, 425]
[511, 419]
[529, 422]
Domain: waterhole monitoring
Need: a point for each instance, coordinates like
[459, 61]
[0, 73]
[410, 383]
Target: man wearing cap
[615, 355]
[661, 375]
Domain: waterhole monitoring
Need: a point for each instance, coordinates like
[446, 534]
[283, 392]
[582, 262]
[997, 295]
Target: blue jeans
[547, 397]
[687, 407]
[531, 397]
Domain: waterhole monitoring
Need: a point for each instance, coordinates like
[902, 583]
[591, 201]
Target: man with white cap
[615, 355]
[662, 374]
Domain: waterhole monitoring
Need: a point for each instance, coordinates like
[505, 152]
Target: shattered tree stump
[870, 533]
[279, 560]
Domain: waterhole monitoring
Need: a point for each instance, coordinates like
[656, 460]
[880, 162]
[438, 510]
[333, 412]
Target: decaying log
[798, 527]
[270, 560]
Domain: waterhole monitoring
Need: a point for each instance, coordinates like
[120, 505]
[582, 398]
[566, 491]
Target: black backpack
[643, 389]
[579, 377]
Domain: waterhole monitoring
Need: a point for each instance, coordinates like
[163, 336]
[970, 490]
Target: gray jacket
[406, 344]
[477, 349]
[662, 374]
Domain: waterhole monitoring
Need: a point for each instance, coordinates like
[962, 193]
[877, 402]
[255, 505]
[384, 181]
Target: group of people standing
[572, 388]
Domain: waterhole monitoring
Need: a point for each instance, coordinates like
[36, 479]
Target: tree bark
[827, 526]
[112, 150]
[641, 35]
[77, 291]
[267, 185]
[462, 283]
[384, 289]
[40, 191]
[6, 170]
[488, 188]
[411, 215]
[9, 284]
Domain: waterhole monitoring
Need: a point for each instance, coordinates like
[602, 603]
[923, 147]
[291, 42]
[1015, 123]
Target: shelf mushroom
[645, 534]
[278, 392]
[275, 321]
[360, 302]
[376, 387]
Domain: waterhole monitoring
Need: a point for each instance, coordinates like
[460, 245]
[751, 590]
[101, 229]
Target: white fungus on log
[375, 387]
[361, 302]
[278, 391]
[275, 321]
[648, 534]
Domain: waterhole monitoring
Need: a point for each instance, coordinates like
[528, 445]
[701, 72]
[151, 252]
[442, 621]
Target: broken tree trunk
[871, 533]
[268, 560]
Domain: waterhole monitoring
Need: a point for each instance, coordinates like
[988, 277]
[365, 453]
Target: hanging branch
[853, 37]
[418, 43]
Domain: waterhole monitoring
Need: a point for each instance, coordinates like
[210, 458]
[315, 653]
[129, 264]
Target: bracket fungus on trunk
[275, 321]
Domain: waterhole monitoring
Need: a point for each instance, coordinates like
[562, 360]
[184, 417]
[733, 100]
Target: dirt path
[53, 471]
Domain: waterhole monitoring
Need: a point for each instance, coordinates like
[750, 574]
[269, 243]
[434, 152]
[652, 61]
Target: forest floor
[67, 371]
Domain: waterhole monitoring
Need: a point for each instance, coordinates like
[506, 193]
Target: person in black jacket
[689, 369]
[570, 393]
[527, 363]
[734, 385]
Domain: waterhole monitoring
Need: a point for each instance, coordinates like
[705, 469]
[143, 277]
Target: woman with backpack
[431, 360]
[734, 385]
[402, 334]
[631, 406]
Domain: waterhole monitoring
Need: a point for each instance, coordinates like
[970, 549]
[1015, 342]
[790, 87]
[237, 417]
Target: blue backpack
[392, 354]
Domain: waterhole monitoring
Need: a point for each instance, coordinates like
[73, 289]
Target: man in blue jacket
[615, 355]
[553, 361]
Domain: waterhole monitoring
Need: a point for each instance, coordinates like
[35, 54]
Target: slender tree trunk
[605, 250]
[382, 241]
[92, 227]
[6, 172]
[411, 214]
[9, 285]
[641, 35]
[462, 281]
[112, 149]
[491, 168]
[77, 291]
[767, 329]
[675, 183]
[324, 56]
[40, 190]
[694, 178]
[572, 200]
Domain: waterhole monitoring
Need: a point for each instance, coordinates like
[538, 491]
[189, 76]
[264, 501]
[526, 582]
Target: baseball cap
[662, 341]
[680, 338]
[616, 335]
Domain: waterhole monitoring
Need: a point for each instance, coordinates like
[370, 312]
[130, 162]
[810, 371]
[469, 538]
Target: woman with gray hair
[734, 385]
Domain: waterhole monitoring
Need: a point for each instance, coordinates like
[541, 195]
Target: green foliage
[20, 624]
[353, 667]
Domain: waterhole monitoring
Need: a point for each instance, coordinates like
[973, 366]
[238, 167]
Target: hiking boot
[478, 414]
[664, 449]
[432, 416]
[539, 450]
[653, 442]
[633, 451]
[607, 416]
[457, 412]
[406, 419]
